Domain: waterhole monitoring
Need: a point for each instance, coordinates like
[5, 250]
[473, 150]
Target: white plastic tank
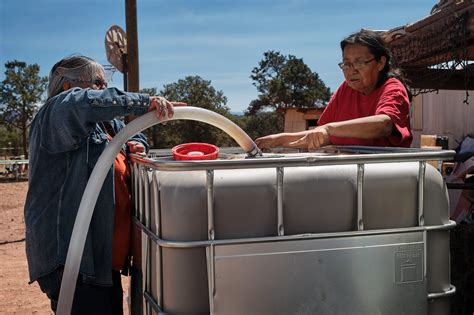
[362, 232]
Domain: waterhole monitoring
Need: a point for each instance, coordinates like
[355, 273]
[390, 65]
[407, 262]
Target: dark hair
[378, 48]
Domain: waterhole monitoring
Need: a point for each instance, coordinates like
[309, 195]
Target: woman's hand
[314, 139]
[136, 147]
[267, 141]
[164, 108]
[309, 139]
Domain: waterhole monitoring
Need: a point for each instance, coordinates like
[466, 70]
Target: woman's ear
[382, 62]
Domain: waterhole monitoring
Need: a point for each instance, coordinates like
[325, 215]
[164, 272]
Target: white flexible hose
[94, 185]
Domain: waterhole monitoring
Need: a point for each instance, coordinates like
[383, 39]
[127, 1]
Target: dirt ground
[16, 295]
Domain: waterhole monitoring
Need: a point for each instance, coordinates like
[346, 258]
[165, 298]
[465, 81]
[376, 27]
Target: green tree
[286, 82]
[10, 141]
[263, 123]
[20, 93]
[197, 92]
[149, 91]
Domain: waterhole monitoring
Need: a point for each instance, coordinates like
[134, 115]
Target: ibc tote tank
[295, 234]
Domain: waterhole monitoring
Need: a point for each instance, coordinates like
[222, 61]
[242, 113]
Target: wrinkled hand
[164, 108]
[136, 147]
[266, 142]
[314, 139]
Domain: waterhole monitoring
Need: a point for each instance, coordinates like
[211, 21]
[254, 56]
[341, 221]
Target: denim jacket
[66, 140]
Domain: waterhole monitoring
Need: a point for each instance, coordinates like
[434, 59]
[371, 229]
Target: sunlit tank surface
[352, 231]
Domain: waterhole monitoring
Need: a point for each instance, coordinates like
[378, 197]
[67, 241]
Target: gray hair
[72, 68]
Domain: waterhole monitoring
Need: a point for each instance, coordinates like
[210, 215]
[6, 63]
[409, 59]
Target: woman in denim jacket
[66, 139]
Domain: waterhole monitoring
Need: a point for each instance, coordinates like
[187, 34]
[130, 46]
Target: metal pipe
[281, 226]
[313, 160]
[360, 193]
[193, 244]
[421, 185]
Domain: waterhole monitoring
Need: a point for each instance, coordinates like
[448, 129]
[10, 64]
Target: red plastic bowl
[195, 151]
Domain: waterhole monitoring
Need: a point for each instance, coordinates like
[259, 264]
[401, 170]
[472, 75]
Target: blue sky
[219, 40]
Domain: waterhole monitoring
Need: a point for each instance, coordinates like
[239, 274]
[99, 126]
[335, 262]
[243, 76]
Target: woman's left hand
[314, 139]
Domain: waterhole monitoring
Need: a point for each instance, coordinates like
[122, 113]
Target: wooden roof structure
[436, 51]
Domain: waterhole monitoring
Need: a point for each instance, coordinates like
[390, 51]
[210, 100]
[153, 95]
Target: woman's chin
[354, 84]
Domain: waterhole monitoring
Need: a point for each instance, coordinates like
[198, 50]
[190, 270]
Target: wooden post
[125, 72]
[132, 46]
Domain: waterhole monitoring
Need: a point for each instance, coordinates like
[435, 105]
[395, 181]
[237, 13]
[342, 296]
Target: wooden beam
[433, 79]
[439, 58]
[132, 45]
[435, 39]
[457, 8]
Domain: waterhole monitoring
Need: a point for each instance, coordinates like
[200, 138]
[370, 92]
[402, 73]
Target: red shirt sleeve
[394, 102]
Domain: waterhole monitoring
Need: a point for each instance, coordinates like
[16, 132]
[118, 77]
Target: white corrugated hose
[94, 185]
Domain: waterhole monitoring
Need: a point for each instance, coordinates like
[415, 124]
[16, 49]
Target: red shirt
[390, 99]
[123, 212]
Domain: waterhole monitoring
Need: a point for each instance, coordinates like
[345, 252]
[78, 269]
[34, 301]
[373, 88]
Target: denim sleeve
[71, 116]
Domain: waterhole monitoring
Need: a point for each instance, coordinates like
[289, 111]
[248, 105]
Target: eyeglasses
[100, 82]
[356, 65]
[96, 82]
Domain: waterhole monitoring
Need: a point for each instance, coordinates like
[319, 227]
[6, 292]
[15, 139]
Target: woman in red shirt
[371, 107]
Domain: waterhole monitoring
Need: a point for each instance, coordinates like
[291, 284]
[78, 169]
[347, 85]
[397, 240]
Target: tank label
[409, 263]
